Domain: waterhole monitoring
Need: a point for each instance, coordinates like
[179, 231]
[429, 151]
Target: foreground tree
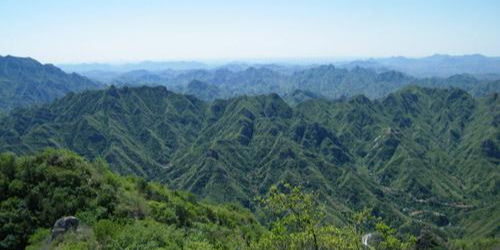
[300, 224]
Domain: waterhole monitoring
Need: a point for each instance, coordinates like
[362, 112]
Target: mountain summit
[24, 81]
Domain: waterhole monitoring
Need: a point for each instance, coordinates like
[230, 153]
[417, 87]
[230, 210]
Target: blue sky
[70, 31]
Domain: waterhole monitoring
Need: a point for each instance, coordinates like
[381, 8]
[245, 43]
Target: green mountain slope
[136, 129]
[59, 200]
[24, 81]
[114, 212]
[418, 155]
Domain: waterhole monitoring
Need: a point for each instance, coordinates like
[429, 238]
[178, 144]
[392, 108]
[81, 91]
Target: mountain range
[417, 155]
[24, 81]
[437, 65]
[326, 80]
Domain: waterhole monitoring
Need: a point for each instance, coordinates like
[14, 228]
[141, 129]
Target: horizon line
[251, 60]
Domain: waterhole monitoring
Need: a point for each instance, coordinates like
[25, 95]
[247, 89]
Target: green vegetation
[116, 212]
[472, 244]
[130, 213]
[24, 81]
[299, 224]
[419, 156]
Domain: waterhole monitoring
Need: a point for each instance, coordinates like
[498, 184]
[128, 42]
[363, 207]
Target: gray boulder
[64, 224]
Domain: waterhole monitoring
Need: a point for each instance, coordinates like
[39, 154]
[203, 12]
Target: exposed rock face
[371, 239]
[63, 225]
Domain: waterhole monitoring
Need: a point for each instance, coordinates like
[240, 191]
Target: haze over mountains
[24, 81]
[417, 151]
[374, 78]
[250, 125]
[438, 65]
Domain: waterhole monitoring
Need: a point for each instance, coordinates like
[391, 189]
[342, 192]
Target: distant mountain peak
[25, 81]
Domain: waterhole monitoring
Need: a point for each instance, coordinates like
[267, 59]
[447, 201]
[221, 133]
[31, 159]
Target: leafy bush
[115, 212]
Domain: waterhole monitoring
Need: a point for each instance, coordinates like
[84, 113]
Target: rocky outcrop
[371, 239]
[63, 225]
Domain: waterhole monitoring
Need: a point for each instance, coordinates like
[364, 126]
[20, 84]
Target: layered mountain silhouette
[438, 65]
[24, 82]
[326, 80]
[417, 155]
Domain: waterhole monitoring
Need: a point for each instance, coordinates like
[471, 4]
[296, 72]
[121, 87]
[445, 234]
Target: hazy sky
[117, 31]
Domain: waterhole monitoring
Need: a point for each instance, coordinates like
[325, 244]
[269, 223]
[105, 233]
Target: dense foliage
[130, 213]
[24, 81]
[116, 212]
[300, 224]
[418, 155]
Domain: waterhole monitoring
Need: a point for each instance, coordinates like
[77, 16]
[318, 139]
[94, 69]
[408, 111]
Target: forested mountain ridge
[419, 154]
[24, 81]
